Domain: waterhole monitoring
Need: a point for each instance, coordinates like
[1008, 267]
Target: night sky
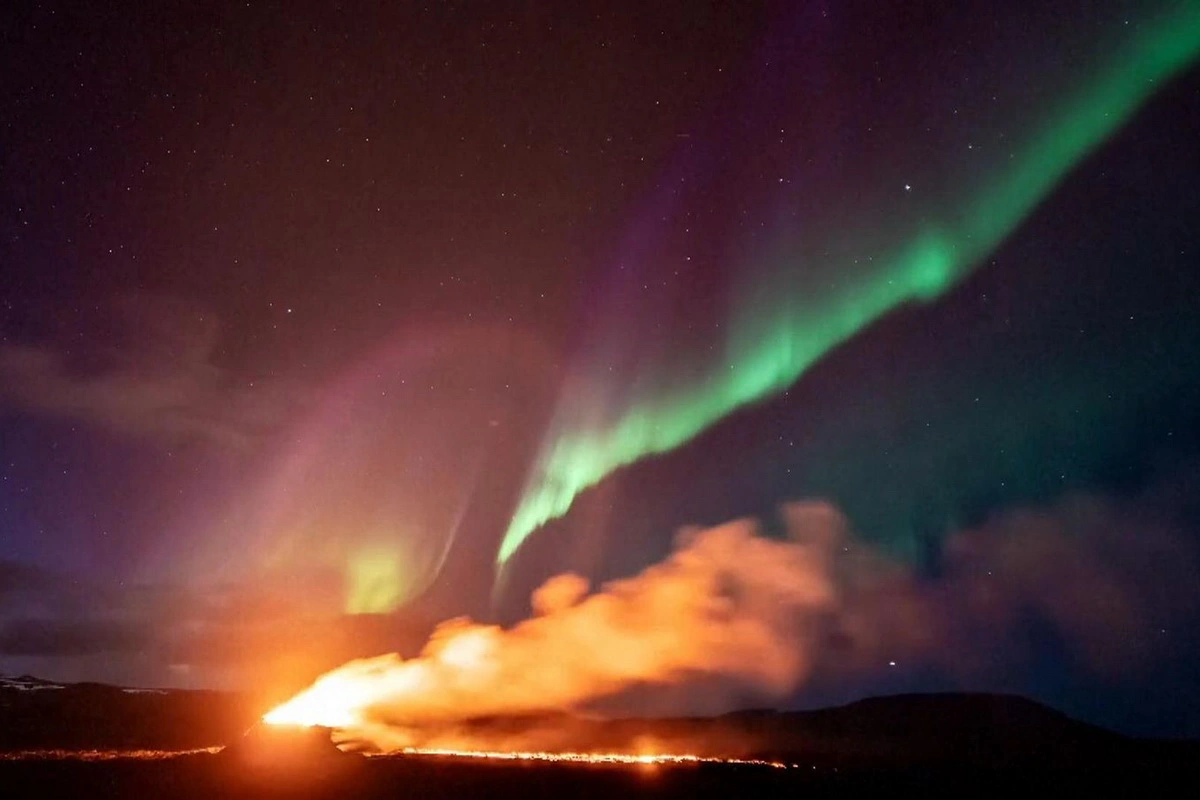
[322, 323]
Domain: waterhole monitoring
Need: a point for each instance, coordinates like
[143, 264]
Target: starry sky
[320, 323]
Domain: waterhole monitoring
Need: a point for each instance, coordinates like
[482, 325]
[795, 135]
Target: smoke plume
[732, 618]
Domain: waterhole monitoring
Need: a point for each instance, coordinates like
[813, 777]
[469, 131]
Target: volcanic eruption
[728, 607]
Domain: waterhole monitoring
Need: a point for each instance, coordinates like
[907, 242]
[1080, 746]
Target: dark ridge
[975, 730]
[903, 742]
[99, 716]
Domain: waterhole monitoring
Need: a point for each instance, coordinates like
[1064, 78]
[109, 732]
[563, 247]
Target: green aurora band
[780, 336]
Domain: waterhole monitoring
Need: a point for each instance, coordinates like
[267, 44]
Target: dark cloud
[64, 637]
[147, 366]
[16, 577]
[1111, 583]
[44, 612]
[257, 633]
[36, 591]
[31, 588]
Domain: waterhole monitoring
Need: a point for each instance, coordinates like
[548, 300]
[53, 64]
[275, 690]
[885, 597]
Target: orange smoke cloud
[726, 604]
[732, 618]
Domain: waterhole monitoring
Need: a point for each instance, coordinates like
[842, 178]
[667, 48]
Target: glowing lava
[626, 759]
[329, 704]
[339, 699]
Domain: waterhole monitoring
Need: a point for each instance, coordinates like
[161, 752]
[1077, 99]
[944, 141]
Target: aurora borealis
[319, 327]
[783, 329]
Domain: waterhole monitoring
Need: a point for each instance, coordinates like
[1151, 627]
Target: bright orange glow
[627, 759]
[580, 758]
[467, 651]
[336, 702]
[103, 755]
[340, 698]
[724, 604]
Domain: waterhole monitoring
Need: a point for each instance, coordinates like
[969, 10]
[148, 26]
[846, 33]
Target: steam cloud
[726, 603]
[732, 618]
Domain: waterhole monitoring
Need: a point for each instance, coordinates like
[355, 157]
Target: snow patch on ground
[27, 683]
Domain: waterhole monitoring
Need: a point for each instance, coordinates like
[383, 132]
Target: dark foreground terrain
[83, 741]
[209, 776]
